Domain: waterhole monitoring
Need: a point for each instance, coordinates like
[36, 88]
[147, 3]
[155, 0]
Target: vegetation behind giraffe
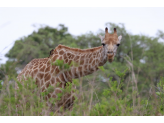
[131, 85]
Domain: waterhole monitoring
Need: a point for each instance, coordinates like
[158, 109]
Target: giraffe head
[110, 42]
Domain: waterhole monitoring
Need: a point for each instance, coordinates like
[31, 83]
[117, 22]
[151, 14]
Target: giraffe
[45, 73]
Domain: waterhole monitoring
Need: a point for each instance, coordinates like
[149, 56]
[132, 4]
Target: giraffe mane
[76, 50]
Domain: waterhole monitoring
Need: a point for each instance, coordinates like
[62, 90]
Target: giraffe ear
[101, 37]
[120, 37]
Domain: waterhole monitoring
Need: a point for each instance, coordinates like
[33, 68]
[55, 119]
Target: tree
[38, 44]
[8, 70]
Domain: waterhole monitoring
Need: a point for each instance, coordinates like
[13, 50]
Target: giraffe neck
[87, 61]
[91, 62]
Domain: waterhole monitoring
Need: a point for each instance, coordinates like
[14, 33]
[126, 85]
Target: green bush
[116, 99]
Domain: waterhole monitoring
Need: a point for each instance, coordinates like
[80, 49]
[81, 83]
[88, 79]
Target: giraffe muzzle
[110, 57]
[110, 52]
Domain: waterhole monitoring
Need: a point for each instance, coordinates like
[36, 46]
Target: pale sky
[17, 22]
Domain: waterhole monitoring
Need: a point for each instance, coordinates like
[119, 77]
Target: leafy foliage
[38, 44]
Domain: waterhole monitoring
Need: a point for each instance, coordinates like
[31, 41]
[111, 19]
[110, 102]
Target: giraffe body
[88, 60]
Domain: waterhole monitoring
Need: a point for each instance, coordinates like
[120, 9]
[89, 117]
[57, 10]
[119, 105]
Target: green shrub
[116, 99]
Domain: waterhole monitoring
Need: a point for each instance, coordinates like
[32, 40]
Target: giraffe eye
[103, 44]
[118, 45]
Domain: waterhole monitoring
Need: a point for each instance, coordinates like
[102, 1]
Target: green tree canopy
[38, 44]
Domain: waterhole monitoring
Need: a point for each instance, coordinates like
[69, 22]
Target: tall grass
[117, 99]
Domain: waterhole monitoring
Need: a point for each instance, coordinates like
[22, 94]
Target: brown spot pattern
[61, 77]
[90, 60]
[86, 61]
[37, 82]
[52, 80]
[65, 55]
[60, 58]
[68, 54]
[54, 96]
[71, 56]
[61, 52]
[79, 68]
[42, 68]
[55, 57]
[57, 79]
[85, 67]
[35, 71]
[69, 72]
[82, 62]
[49, 95]
[53, 67]
[93, 64]
[47, 84]
[67, 76]
[40, 75]
[66, 60]
[69, 62]
[97, 61]
[76, 58]
[94, 54]
[57, 70]
[90, 55]
[52, 70]
[47, 69]
[41, 82]
[47, 77]
[76, 74]
[57, 91]
[26, 73]
[43, 88]
[73, 71]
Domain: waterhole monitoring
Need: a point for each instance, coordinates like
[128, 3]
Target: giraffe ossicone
[88, 60]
